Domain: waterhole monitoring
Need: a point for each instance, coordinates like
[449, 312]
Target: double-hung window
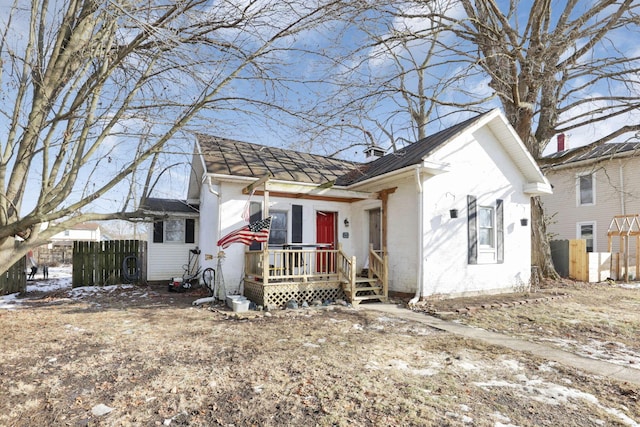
[174, 231]
[585, 189]
[586, 231]
[279, 224]
[485, 225]
[486, 228]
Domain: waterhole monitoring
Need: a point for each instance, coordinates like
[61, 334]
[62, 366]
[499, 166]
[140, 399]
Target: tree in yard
[556, 71]
[397, 79]
[93, 93]
[554, 67]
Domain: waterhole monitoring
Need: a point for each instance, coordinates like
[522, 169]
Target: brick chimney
[563, 142]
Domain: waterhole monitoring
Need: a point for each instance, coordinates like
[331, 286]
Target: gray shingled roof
[605, 150]
[412, 154]
[152, 204]
[229, 157]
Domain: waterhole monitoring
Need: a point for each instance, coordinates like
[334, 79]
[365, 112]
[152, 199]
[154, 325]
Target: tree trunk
[540, 248]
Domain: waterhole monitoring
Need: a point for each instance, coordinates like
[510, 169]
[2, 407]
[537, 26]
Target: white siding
[402, 236]
[166, 260]
[231, 206]
[78, 234]
[479, 167]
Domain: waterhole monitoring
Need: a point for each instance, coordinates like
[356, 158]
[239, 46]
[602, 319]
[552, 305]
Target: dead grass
[152, 359]
[594, 320]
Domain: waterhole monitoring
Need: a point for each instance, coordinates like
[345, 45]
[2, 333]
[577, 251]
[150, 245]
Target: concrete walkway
[597, 367]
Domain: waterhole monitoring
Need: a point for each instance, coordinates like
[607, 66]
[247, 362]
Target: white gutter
[419, 281]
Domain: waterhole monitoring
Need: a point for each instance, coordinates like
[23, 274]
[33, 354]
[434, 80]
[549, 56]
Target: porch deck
[276, 276]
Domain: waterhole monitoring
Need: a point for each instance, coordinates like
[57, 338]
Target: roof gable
[412, 154]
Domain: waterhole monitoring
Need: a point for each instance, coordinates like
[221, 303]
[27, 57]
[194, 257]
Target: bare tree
[556, 71]
[94, 91]
[554, 67]
[395, 78]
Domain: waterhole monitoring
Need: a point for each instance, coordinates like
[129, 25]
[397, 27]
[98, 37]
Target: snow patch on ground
[59, 280]
[613, 352]
[552, 394]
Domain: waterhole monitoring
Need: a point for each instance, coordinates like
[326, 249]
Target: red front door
[325, 235]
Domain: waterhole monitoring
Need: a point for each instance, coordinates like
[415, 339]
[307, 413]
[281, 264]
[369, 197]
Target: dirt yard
[141, 356]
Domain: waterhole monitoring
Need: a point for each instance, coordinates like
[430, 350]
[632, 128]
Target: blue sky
[302, 64]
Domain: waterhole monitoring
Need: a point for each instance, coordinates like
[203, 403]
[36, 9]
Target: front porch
[276, 276]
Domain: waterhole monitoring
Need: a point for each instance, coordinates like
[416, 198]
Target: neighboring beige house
[589, 190]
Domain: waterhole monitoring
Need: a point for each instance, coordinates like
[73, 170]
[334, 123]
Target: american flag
[257, 231]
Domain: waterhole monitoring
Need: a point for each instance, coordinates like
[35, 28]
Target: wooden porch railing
[287, 272]
[292, 264]
[347, 272]
[379, 268]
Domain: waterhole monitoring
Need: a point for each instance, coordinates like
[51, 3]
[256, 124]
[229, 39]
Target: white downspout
[419, 281]
[622, 212]
[211, 190]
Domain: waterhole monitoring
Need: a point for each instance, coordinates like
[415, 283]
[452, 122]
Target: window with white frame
[587, 231]
[279, 224]
[174, 231]
[585, 187]
[486, 227]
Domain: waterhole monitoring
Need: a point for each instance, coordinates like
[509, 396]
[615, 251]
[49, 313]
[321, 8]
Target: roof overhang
[537, 188]
[297, 190]
[588, 162]
[498, 124]
[426, 168]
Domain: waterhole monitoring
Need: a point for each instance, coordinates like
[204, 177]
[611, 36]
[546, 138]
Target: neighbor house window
[586, 189]
[586, 231]
[278, 233]
[174, 231]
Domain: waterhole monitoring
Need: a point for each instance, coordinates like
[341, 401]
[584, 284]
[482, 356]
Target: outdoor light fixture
[524, 220]
[346, 222]
[453, 213]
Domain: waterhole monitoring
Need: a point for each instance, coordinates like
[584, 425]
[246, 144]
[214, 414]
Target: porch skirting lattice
[280, 293]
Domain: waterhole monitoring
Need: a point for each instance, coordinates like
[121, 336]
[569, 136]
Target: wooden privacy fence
[578, 260]
[15, 279]
[582, 265]
[109, 263]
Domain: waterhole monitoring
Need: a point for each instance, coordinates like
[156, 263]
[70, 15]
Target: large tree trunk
[540, 248]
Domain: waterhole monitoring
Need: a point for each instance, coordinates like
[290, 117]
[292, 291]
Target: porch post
[383, 195]
[265, 264]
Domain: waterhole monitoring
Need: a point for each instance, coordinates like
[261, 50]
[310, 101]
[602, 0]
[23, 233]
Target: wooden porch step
[366, 279]
[358, 299]
[369, 288]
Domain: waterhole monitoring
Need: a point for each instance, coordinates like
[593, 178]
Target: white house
[444, 213]
[87, 232]
[171, 238]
